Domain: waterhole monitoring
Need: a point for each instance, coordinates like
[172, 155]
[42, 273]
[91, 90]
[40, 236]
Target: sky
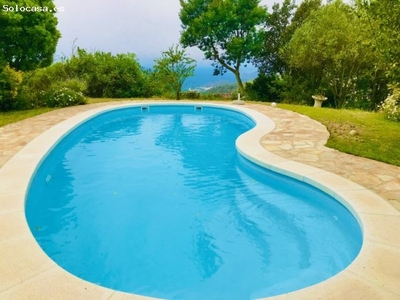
[143, 27]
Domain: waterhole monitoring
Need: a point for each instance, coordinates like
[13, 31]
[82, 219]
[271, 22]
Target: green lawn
[375, 138]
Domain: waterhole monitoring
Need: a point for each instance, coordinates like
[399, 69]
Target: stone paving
[296, 137]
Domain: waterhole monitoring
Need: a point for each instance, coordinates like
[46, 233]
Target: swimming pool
[237, 233]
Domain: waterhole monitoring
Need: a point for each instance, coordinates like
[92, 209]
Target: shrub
[63, 97]
[212, 96]
[74, 84]
[265, 88]
[391, 106]
[107, 75]
[190, 95]
[39, 83]
[10, 81]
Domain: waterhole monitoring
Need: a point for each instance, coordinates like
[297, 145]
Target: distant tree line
[29, 78]
[346, 52]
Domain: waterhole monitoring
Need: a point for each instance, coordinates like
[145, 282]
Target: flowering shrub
[64, 96]
[391, 106]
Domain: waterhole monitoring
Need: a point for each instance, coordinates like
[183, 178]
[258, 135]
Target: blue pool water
[157, 202]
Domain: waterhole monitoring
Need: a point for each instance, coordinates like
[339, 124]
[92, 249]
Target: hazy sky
[144, 27]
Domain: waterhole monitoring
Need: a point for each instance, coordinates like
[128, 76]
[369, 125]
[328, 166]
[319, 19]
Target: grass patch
[376, 137]
[15, 116]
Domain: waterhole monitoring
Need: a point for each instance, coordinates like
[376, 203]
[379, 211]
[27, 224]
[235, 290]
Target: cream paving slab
[12, 224]
[56, 283]
[383, 229]
[21, 259]
[30, 274]
[344, 286]
[124, 296]
[11, 202]
[380, 265]
[365, 201]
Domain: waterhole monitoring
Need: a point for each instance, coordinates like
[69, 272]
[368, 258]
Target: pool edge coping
[372, 217]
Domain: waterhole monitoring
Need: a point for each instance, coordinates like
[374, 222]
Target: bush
[10, 81]
[39, 83]
[265, 88]
[213, 96]
[190, 95]
[391, 106]
[63, 97]
[109, 76]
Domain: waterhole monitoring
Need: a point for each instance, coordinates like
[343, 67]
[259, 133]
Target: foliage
[96, 74]
[151, 85]
[37, 84]
[217, 96]
[391, 106]
[265, 88]
[107, 75]
[10, 80]
[305, 9]
[173, 68]
[227, 31]
[191, 95]
[382, 19]
[330, 46]
[276, 36]
[63, 97]
[28, 40]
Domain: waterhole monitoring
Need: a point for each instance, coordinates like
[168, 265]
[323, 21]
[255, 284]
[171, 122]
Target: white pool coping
[28, 273]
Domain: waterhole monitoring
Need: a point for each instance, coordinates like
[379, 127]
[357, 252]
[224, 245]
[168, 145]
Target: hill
[203, 80]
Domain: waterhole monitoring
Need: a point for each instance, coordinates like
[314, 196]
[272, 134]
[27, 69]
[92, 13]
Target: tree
[173, 68]
[302, 13]
[28, 40]
[382, 19]
[227, 31]
[276, 36]
[331, 47]
[273, 81]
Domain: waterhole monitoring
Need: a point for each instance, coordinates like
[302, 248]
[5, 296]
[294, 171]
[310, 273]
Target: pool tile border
[27, 272]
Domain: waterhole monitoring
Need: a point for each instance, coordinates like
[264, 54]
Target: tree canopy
[276, 36]
[382, 19]
[227, 31]
[173, 68]
[331, 46]
[28, 40]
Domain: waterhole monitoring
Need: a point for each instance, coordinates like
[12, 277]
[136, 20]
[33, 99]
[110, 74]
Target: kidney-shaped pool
[156, 201]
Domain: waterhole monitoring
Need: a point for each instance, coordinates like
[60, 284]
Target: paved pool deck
[296, 143]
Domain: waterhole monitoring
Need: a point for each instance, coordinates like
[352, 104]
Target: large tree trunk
[239, 82]
[178, 92]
